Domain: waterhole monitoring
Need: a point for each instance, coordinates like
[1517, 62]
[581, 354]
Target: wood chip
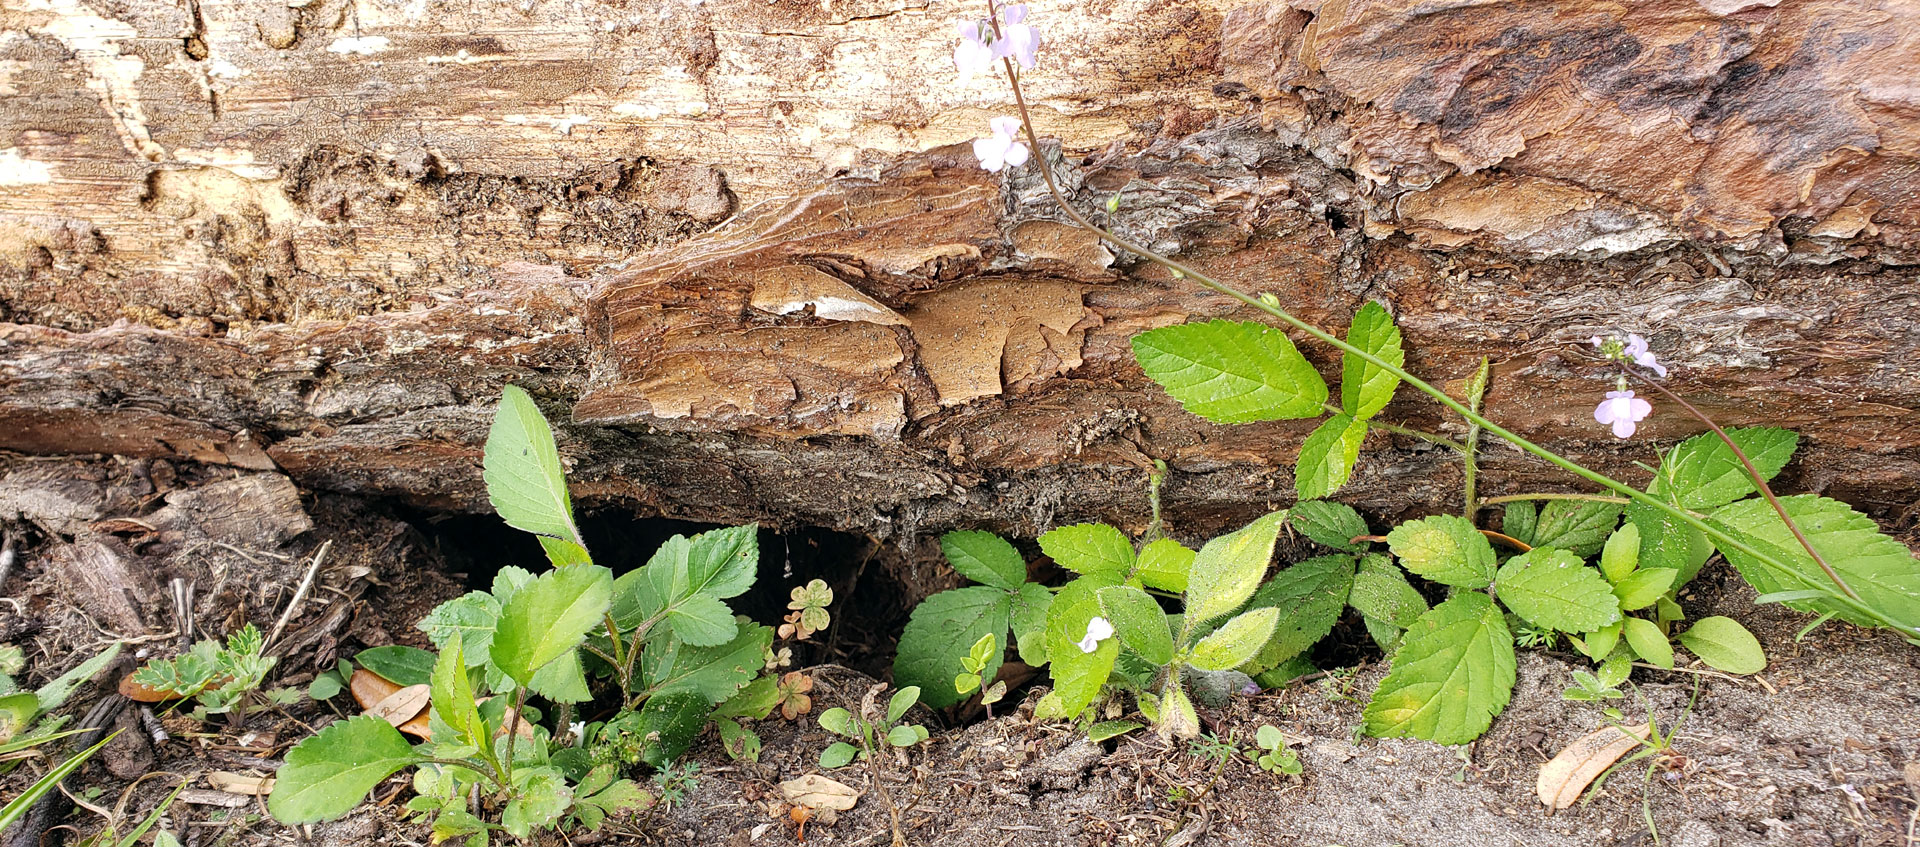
[236, 783]
[818, 792]
[1913, 779]
[402, 706]
[1568, 775]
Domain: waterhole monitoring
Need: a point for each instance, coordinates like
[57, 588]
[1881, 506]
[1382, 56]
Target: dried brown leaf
[236, 783]
[818, 792]
[1563, 779]
[403, 705]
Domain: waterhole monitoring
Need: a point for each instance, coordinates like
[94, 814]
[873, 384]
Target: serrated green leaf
[1519, 520]
[1641, 589]
[713, 672]
[1381, 591]
[1621, 555]
[702, 620]
[1332, 524]
[1365, 387]
[1078, 675]
[1553, 588]
[755, 700]
[1089, 548]
[326, 775]
[563, 680]
[1165, 564]
[939, 633]
[721, 562]
[1725, 645]
[1232, 372]
[985, 558]
[1446, 549]
[1237, 641]
[1139, 621]
[717, 564]
[1648, 642]
[548, 617]
[540, 797]
[469, 620]
[1579, 527]
[1880, 569]
[592, 808]
[402, 666]
[1702, 473]
[451, 693]
[1029, 621]
[1228, 569]
[677, 717]
[1453, 673]
[525, 480]
[1327, 456]
[1309, 596]
[564, 553]
[1668, 542]
[1385, 635]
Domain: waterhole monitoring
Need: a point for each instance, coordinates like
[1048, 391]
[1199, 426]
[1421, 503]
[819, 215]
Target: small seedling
[220, 678]
[809, 604]
[1272, 753]
[870, 732]
[676, 781]
[975, 664]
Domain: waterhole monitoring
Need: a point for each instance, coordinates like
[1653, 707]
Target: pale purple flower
[1637, 350]
[1098, 630]
[1001, 149]
[1017, 39]
[974, 54]
[1624, 411]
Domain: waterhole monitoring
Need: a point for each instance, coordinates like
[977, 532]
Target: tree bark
[742, 253]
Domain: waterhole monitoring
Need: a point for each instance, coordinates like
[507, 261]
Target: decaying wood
[737, 249]
[100, 582]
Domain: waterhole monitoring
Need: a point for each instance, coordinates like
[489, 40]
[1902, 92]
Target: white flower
[1001, 149]
[1624, 411]
[973, 55]
[578, 729]
[1098, 630]
[1017, 39]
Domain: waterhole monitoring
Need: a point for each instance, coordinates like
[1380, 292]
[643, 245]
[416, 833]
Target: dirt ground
[1820, 749]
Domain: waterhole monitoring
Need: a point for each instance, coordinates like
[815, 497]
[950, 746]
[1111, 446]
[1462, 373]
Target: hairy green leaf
[1579, 527]
[1553, 588]
[326, 775]
[939, 633]
[548, 617]
[670, 722]
[1702, 473]
[1381, 591]
[1332, 524]
[1725, 645]
[1165, 564]
[985, 558]
[563, 680]
[702, 620]
[451, 693]
[1237, 641]
[1446, 549]
[1232, 372]
[1881, 570]
[1327, 456]
[1029, 620]
[1309, 596]
[1228, 569]
[1668, 542]
[564, 553]
[1090, 548]
[1139, 621]
[1453, 673]
[1519, 520]
[468, 620]
[525, 480]
[1365, 387]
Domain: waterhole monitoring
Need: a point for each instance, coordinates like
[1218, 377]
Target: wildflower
[1098, 630]
[1017, 38]
[1634, 349]
[1623, 410]
[1001, 149]
[974, 54]
[578, 730]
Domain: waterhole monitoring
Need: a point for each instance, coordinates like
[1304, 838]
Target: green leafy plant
[973, 667]
[1272, 754]
[871, 730]
[22, 712]
[942, 629]
[220, 677]
[660, 640]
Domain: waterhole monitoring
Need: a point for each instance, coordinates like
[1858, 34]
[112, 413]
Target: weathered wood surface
[741, 243]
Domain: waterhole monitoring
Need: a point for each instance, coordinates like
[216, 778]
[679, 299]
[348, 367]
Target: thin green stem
[1470, 467]
[513, 730]
[1752, 473]
[619, 653]
[1723, 539]
[1517, 498]
[1431, 438]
